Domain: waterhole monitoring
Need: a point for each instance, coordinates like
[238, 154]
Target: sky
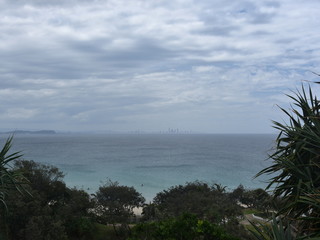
[207, 66]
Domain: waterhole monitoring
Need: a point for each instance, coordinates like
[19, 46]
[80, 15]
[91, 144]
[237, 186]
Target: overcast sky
[202, 66]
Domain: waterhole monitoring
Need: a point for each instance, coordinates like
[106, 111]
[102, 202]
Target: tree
[296, 164]
[43, 178]
[210, 202]
[78, 221]
[256, 198]
[195, 198]
[115, 203]
[237, 193]
[53, 211]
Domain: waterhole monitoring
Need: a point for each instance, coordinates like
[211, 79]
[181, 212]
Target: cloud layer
[208, 66]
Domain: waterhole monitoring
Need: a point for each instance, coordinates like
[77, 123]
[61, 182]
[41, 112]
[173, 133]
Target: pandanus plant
[295, 169]
[9, 179]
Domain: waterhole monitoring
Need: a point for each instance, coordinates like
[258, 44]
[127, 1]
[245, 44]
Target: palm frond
[9, 178]
[295, 169]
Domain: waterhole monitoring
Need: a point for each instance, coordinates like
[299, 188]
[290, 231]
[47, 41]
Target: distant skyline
[113, 65]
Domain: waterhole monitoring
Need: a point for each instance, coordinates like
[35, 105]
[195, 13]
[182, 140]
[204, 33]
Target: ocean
[151, 162]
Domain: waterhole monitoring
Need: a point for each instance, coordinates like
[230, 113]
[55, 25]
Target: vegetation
[198, 198]
[186, 226]
[10, 181]
[296, 165]
[254, 199]
[205, 202]
[52, 211]
[115, 204]
[275, 231]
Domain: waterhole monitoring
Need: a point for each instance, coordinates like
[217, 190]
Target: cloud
[122, 65]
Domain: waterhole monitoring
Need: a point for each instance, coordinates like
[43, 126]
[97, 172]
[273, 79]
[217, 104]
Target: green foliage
[237, 193]
[187, 227]
[296, 164]
[44, 228]
[80, 228]
[9, 179]
[273, 231]
[150, 212]
[11, 183]
[210, 202]
[43, 178]
[257, 198]
[115, 203]
[78, 222]
[103, 232]
[53, 211]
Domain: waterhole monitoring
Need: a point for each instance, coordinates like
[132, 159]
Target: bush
[187, 227]
[198, 198]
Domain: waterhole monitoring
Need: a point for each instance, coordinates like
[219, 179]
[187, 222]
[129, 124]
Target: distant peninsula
[30, 132]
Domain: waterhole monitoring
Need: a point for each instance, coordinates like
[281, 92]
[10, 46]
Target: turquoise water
[150, 163]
